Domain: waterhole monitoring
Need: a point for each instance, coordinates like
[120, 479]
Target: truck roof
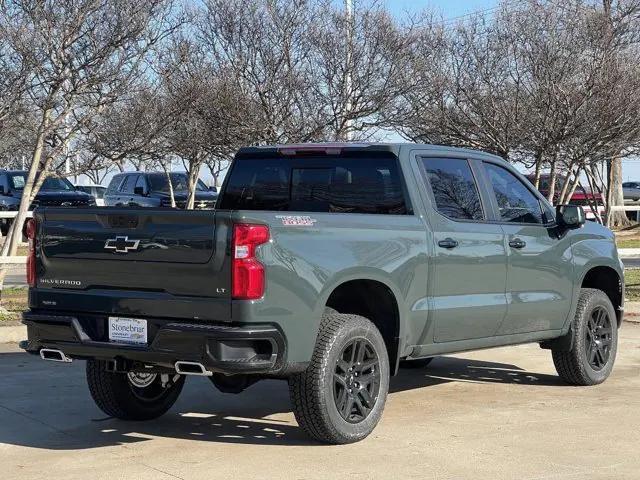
[338, 147]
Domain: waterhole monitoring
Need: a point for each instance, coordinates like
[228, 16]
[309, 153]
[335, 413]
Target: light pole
[348, 4]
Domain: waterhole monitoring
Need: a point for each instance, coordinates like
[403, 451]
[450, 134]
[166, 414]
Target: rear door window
[334, 184]
[454, 188]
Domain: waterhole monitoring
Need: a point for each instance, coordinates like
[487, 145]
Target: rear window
[338, 184]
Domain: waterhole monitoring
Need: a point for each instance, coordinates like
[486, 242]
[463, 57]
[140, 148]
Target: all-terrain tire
[315, 395]
[115, 395]
[575, 365]
[418, 363]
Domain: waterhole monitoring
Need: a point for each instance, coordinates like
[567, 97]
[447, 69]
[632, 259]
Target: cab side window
[114, 185]
[454, 188]
[516, 202]
[128, 184]
[4, 183]
[142, 183]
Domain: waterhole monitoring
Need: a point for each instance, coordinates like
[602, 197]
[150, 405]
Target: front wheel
[133, 395]
[340, 397]
[594, 345]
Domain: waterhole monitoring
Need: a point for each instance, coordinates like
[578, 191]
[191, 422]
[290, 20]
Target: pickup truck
[330, 266]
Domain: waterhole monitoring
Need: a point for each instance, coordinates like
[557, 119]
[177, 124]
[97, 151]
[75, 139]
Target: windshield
[159, 183]
[51, 183]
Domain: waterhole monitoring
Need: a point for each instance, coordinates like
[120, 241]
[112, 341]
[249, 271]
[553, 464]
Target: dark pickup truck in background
[142, 189]
[55, 192]
[329, 265]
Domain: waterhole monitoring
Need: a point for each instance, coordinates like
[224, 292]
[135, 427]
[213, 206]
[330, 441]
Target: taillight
[248, 273]
[31, 253]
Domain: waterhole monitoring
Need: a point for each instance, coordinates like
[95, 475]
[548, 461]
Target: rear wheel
[341, 395]
[133, 395]
[594, 345]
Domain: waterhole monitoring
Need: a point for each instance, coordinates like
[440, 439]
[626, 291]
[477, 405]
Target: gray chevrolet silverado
[330, 266]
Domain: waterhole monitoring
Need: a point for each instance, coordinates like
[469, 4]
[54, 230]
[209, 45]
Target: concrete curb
[13, 334]
[628, 252]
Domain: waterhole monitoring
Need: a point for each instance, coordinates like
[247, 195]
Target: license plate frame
[132, 331]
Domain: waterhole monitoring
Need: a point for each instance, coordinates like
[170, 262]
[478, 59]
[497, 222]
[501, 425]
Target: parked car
[329, 265]
[96, 191]
[55, 191]
[592, 202]
[581, 196]
[144, 189]
[631, 191]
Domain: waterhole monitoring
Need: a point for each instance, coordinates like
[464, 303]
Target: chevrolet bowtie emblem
[121, 244]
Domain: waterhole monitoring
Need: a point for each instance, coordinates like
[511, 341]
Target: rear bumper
[220, 348]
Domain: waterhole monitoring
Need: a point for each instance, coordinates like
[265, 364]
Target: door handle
[517, 243]
[448, 243]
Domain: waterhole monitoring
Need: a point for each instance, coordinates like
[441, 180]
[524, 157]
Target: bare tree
[84, 55]
[212, 116]
[538, 83]
[353, 81]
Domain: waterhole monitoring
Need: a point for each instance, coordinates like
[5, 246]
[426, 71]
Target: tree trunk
[597, 185]
[194, 172]
[569, 185]
[617, 219]
[552, 181]
[14, 235]
[172, 195]
[538, 171]
[572, 190]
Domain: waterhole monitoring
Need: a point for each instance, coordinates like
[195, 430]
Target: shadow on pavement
[48, 406]
[454, 369]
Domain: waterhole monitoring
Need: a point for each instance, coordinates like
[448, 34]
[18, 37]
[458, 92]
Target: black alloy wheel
[356, 380]
[598, 338]
[586, 354]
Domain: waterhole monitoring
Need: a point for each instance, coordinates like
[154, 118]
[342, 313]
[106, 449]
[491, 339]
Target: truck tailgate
[124, 259]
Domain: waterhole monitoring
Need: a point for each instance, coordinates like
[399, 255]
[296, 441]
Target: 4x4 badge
[121, 244]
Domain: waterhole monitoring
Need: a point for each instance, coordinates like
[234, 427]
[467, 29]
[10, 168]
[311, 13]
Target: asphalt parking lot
[496, 414]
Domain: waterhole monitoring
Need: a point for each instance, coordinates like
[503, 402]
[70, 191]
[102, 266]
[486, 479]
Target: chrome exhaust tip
[54, 355]
[192, 368]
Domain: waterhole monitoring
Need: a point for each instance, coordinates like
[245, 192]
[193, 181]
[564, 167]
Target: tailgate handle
[123, 221]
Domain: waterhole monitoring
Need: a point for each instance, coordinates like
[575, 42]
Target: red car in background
[581, 196]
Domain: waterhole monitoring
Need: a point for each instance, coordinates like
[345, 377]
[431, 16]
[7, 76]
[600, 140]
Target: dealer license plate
[128, 330]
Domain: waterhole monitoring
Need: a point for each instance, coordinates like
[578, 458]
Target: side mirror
[570, 216]
[213, 188]
[139, 191]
